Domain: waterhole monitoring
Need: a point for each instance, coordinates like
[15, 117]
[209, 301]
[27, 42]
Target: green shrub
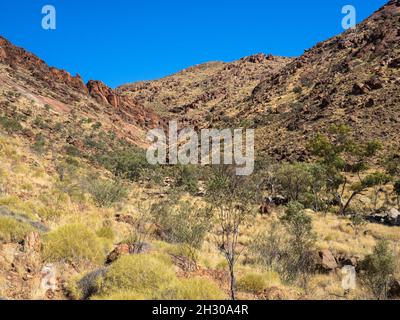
[12, 230]
[187, 178]
[378, 269]
[11, 125]
[197, 289]
[105, 192]
[128, 164]
[297, 90]
[73, 243]
[106, 233]
[143, 274]
[252, 282]
[40, 144]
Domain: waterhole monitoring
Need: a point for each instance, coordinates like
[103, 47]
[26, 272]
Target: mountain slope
[207, 92]
[30, 89]
[350, 79]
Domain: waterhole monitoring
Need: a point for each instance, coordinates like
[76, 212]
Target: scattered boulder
[325, 261]
[394, 289]
[119, 251]
[393, 217]
[390, 218]
[277, 201]
[49, 281]
[374, 83]
[394, 64]
[357, 89]
[346, 260]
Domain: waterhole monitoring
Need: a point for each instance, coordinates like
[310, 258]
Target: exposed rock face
[18, 58]
[103, 94]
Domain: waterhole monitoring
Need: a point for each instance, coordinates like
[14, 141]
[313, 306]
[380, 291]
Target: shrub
[294, 180]
[12, 230]
[378, 269]
[142, 274]
[105, 193]
[106, 232]
[197, 289]
[84, 287]
[252, 282]
[297, 260]
[187, 178]
[297, 90]
[73, 243]
[40, 144]
[11, 125]
[128, 164]
[186, 224]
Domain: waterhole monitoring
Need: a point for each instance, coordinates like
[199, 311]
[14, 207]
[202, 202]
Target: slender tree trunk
[232, 282]
[344, 208]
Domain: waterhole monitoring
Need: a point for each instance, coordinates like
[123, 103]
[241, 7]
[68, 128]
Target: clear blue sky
[122, 41]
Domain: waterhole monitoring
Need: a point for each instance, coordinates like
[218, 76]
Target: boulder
[394, 289]
[374, 83]
[346, 260]
[390, 218]
[325, 261]
[394, 64]
[119, 251]
[357, 89]
[393, 217]
[49, 281]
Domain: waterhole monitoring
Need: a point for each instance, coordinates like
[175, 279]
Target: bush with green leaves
[269, 247]
[378, 269]
[294, 180]
[74, 243]
[105, 193]
[297, 260]
[196, 289]
[128, 164]
[147, 275]
[252, 282]
[187, 178]
[39, 146]
[12, 230]
[183, 223]
[339, 154]
[11, 125]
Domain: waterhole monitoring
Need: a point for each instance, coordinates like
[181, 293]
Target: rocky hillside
[206, 93]
[30, 90]
[350, 79]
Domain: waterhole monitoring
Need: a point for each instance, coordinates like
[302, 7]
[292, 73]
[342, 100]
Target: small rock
[119, 251]
[395, 63]
[357, 89]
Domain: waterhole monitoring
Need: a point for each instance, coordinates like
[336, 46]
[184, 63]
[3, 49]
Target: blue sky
[122, 41]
